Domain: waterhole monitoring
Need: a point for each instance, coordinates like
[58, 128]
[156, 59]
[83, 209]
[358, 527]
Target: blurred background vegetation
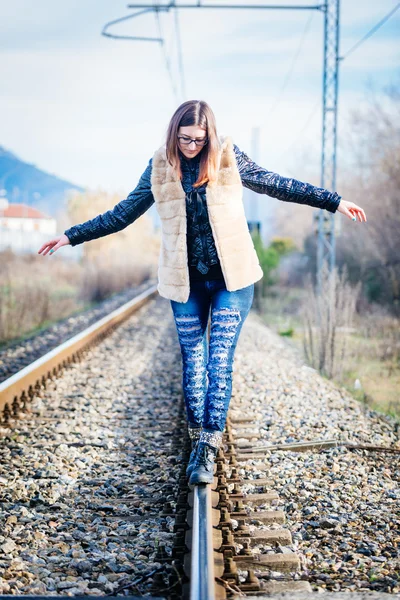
[36, 290]
[352, 332]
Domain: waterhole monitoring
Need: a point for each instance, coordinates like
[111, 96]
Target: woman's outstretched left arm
[262, 181]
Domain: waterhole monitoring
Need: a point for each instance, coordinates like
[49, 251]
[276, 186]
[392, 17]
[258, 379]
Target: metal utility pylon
[327, 221]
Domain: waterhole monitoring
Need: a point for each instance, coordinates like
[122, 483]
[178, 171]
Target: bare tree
[372, 178]
[327, 319]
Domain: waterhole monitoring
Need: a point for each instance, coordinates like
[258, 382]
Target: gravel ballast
[85, 477]
[83, 485]
[341, 505]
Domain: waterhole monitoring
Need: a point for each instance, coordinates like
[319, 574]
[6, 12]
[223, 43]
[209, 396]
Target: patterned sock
[212, 438]
[194, 433]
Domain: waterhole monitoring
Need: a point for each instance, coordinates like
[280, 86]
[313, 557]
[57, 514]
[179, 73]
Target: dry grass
[36, 291]
[373, 347]
[374, 360]
[327, 318]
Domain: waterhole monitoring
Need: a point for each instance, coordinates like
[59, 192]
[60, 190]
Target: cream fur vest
[224, 197]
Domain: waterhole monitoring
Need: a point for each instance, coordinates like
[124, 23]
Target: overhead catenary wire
[166, 57]
[157, 7]
[370, 32]
[160, 39]
[303, 129]
[350, 51]
[180, 55]
[127, 37]
[291, 67]
[174, 35]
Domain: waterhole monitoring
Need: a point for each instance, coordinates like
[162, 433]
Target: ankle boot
[194, 434]
[203, 468]
[192, 458]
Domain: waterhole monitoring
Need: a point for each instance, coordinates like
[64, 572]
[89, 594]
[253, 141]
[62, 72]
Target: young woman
[207, 259]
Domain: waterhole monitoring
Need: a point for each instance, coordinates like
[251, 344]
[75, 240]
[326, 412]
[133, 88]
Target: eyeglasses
[186, 141]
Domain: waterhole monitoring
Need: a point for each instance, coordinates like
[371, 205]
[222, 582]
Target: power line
[167, 61]
[371, 32]
[172, 4]
[180, 57]
[303, 129]
[127, 37]
[291, 68]
[175, 36]
[140, 38]
[316, 106]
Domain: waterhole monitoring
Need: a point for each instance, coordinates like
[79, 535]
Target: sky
[93, 110]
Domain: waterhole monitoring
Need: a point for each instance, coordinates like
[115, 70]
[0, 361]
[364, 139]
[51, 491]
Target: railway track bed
[328, 467]
[94, 500]
[88, 475]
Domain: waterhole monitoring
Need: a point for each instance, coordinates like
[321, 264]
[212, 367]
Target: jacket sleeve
[262, 181]
[123, 214]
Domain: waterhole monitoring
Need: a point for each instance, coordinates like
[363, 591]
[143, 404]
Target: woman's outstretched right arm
[123, 214]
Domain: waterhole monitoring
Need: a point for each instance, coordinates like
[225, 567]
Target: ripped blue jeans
[207, 368]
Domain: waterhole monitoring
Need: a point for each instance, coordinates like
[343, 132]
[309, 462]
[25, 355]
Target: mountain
[25, 183]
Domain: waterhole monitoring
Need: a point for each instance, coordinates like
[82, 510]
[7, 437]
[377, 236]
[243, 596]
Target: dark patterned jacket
[201, 247]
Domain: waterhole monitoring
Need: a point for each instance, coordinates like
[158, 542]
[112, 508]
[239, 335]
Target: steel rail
[202, 577]
[24, 380]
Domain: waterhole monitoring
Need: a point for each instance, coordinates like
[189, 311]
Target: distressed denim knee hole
[224, 326]
[224, 322]
[194, 372]
[189, 329]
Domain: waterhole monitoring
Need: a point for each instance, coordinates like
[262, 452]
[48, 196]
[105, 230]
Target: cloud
[94, 110]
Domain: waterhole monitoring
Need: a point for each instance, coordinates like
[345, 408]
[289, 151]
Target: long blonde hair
[199, 113]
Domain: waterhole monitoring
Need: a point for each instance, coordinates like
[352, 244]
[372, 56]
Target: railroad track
[223, 562]
[238, 542]
[17, 390]
[125, 472]
[90, 440]
[212, 506]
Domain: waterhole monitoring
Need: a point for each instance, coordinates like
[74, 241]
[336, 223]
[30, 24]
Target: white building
[24, 228]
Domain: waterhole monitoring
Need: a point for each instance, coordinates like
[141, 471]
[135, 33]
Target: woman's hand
[54, 244]
[351, 210]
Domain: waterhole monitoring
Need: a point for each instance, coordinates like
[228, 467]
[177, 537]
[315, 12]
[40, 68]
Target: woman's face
[195, 133]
